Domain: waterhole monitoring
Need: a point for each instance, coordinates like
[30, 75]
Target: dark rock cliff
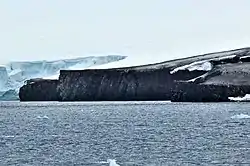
[227, 74]
[190, 92]
[114, 85]
[39, 90]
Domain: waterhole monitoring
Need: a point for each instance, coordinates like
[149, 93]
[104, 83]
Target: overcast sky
[54, 29]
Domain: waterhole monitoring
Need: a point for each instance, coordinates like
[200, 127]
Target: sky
[162, 29]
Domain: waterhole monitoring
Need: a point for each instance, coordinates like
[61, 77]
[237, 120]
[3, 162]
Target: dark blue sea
[132, 133]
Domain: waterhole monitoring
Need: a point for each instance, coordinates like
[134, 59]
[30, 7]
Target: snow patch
[243, 57]
[204, 65]
[131, 61]
[225, 57]
[53, 77]
[199, 77]
[240, 116]
[245, 98]
[200, 65]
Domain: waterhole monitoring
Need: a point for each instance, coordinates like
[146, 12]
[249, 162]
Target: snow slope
[14, 74]
[133, 61]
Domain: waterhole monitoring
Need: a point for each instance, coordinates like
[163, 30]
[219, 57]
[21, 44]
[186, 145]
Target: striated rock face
[228, 78]
[190, 92]
[96, 85]
[205, 78]
[39, 90]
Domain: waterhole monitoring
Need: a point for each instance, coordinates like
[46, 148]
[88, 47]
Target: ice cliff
[14, 74]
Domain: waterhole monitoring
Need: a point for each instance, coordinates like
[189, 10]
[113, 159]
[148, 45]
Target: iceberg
[14, 74]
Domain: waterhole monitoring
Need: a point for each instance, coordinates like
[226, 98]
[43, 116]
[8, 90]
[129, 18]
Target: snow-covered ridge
[201, 65]
[14, 74]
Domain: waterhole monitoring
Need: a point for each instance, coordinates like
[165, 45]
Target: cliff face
[39, 90]
[227, 78]
[96, 85]
[189, 92]
[119, 84]
[204, 78]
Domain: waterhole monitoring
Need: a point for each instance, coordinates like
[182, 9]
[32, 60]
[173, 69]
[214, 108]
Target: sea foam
[42, 117]
[240, 116]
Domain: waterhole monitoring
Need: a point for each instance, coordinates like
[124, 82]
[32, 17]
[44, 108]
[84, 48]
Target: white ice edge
[245, 98]
[200, 65]
[247, 56]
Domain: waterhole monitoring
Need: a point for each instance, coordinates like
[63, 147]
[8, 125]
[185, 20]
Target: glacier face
[14, 74]
[3, 76]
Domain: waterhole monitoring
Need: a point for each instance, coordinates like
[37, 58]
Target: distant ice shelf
[14, 74]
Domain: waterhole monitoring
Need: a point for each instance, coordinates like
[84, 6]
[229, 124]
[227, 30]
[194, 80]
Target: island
[213, 77]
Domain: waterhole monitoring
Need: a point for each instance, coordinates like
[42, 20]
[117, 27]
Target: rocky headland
[210, 77]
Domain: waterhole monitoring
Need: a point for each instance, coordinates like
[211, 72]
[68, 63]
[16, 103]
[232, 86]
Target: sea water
[124, 133]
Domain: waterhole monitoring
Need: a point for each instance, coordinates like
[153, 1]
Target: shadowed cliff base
[39, 90]
[205, 78]
[189, 92]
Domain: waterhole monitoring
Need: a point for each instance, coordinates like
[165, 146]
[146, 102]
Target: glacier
[14, 74]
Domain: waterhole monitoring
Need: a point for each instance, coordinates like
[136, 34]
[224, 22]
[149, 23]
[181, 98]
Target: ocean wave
[42, 117]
